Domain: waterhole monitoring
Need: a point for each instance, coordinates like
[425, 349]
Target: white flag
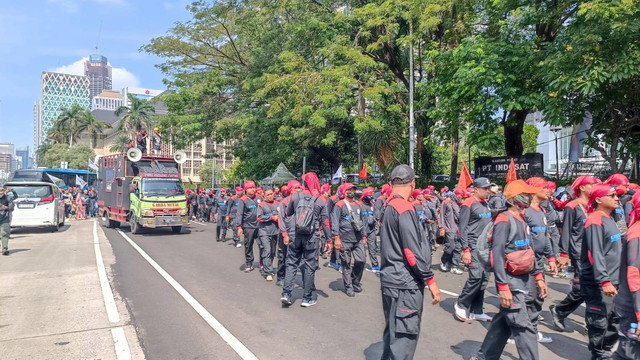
[337, 176]
[56, 180]
[92, 165]
[80, 182]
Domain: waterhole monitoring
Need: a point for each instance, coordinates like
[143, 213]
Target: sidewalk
[51, 301]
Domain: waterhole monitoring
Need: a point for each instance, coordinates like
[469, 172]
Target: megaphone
[134, 154]
[180, 157]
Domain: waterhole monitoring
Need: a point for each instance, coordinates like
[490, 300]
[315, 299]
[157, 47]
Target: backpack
[304, 215]
[356, 221]
[485, 241]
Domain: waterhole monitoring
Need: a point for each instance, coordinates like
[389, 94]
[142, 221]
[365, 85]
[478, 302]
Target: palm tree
[93, 127]
[57, 134]
[137, 115]
[119, 145]
[69, 120]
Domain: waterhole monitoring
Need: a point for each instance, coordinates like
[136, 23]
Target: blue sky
[50, 35]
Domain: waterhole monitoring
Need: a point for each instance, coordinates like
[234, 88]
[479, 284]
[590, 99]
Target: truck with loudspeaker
[143, 190]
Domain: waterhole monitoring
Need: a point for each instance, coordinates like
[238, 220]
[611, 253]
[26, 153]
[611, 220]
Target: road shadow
[467, 348]
[374, 351]
[561, 288]
[566, 347]
[13, 251]
[36, 230]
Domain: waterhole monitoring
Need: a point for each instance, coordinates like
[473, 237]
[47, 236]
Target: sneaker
[340, 269]
[333, 265]
[357, 288]
[511, 341]
[269, 277]
[5, 252]
[444, 267]
[456, 271]
[261, 267]
[238, 245]
[350, 293]
[286, 300]
[558, 322]
[543, 339]
[308, 303]
[480, 317]
[375, 269]
[248, 268]
[280, 283]
[460, 313]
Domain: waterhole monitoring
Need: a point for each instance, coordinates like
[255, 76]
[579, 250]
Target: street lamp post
[555, 130]
[412, 143]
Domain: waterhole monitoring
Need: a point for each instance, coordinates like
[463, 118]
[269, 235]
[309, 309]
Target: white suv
[37, 204]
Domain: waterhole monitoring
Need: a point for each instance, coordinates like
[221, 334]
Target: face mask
[522, 201]
[351, 195]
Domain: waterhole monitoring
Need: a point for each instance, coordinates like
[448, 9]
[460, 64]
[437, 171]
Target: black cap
[402, 174]
[481, 182]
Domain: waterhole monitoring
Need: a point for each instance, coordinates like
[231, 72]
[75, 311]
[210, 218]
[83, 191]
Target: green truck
[143, 190]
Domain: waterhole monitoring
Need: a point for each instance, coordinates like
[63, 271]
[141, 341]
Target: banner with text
[496, 168]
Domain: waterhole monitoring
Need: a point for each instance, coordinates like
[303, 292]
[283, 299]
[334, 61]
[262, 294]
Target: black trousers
[221, 227]
[267, 252]
[452, 250]
[511, 322]
[282, 258]
[301, 253]
[472, 295]
[250, 236]
[352, 275]
[628, 349]
[574, 298]
[601, 321]
[402, 313]
[534, 303]
[371, 248]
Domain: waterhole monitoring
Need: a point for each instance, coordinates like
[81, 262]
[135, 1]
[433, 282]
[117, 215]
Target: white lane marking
[449, 293]
[121, 344]
[107, 294]
[235, 344]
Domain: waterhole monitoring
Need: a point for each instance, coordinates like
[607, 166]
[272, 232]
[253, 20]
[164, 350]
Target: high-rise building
[23, 154]
[107, 100]
[37, 124]
[98, 70]
[58, 91]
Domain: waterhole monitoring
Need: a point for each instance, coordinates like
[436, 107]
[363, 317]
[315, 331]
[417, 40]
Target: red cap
[634, 186]
[537, 182]
[444, 190]
[432, 187]
[598, 191]
[635, 213]
[284, 188]
[294, 184]
[617, 179]
[210, 192]
[386, 190]
[325, 188]
[551, 186]
[427, 192]
[260, 189]
[458, 191]
[416, 192]
[238, 189]
[223, 190]
[249, 185]
[367, 192]
[583, 180]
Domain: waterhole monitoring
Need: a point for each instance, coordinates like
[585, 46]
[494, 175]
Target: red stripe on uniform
[633, 278]
[411, 258]
[590, 257]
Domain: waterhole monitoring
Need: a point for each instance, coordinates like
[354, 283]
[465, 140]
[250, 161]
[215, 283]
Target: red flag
[465, 177]
[363, 172]
[512, 175]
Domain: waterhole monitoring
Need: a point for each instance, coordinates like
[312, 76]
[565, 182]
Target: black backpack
[485, 242]
[304, 215]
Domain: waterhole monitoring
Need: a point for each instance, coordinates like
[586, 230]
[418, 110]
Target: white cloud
[121, 78]
[72, 6]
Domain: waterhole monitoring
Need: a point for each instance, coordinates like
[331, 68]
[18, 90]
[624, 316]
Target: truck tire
[135, 227]
[114, 224]
[176, 229]
[104, 219]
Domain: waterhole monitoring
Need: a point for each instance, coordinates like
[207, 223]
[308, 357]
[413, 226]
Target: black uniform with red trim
[406, 268]
[600, 261]
[247, 219]
[267, 216]
[572, 229]
[352, 246]
[627, 302]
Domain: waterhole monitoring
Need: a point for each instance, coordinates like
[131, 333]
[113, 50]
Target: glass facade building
[98, 70]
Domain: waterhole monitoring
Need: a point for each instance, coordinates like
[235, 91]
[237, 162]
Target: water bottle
[631, 333]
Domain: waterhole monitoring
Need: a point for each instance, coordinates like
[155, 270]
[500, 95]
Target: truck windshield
[162, 187]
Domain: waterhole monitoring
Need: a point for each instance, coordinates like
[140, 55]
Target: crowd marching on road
[522, 234]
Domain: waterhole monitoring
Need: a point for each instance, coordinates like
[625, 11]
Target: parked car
[440, 178]
[37, 204]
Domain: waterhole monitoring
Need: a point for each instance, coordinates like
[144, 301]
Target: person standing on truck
[221, 207]
[156, 141]
[247, 221]
[141, 141]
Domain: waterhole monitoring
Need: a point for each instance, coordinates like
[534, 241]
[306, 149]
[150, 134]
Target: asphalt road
[338, 327]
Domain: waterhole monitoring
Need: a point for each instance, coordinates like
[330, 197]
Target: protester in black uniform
[268, 232]
[286, 227]
[448, 222]
[406, 268]
[475, 215]
[370, 225]
[627, 302]
[247, 221]
[600, 270]
[349, 241]
[233, 213]
[141, 141]
[302, 242]
[514, 264]
[221, 208]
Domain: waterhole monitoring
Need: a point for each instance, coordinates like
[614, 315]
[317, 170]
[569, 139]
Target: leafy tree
[119, 144]
[76, 156]
[68, 122]
[92, 126]
[137, 116]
